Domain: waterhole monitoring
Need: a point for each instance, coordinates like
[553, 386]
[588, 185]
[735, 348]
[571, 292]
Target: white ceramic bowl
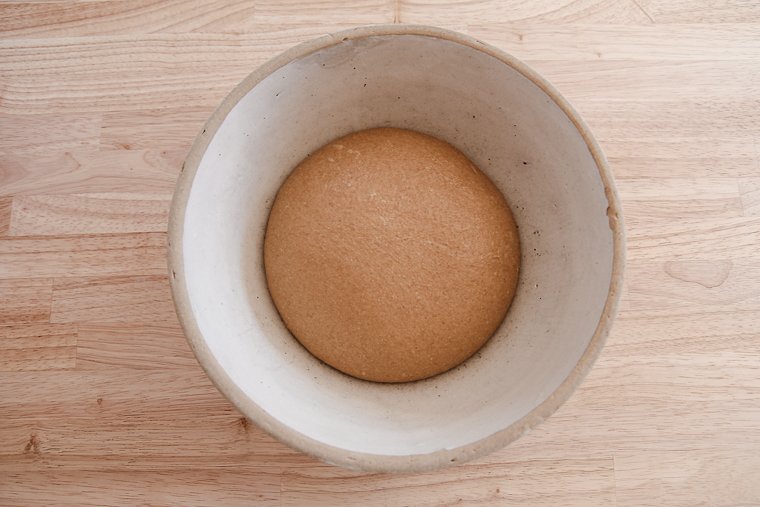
[515, 127]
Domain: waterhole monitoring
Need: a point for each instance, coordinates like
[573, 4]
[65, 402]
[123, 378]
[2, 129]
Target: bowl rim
[328, 453]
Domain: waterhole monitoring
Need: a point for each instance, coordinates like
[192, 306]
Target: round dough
[390, 256]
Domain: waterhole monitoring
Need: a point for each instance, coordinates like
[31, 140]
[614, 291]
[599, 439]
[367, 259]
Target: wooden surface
[101, 401]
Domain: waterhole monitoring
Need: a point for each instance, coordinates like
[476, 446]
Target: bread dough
[390, 256]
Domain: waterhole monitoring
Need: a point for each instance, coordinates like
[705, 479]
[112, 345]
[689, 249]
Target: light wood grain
[25, 300]
[83, 255]
[103, 346]
[90, 170]
[88, 213]
[115, 17]
[101, 400]
[30, 346]
[455, 12]
[686, 11]
[128, 299]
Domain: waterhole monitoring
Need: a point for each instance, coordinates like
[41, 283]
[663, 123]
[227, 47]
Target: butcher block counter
[103, 403]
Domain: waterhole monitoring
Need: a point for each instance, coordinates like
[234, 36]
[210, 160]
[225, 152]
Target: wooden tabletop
[101, 400]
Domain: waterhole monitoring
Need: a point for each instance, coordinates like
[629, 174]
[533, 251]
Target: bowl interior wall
[511, 129]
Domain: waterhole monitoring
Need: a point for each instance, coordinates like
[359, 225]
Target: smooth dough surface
[390, 256]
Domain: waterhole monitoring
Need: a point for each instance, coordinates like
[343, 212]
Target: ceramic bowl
[513, 125]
